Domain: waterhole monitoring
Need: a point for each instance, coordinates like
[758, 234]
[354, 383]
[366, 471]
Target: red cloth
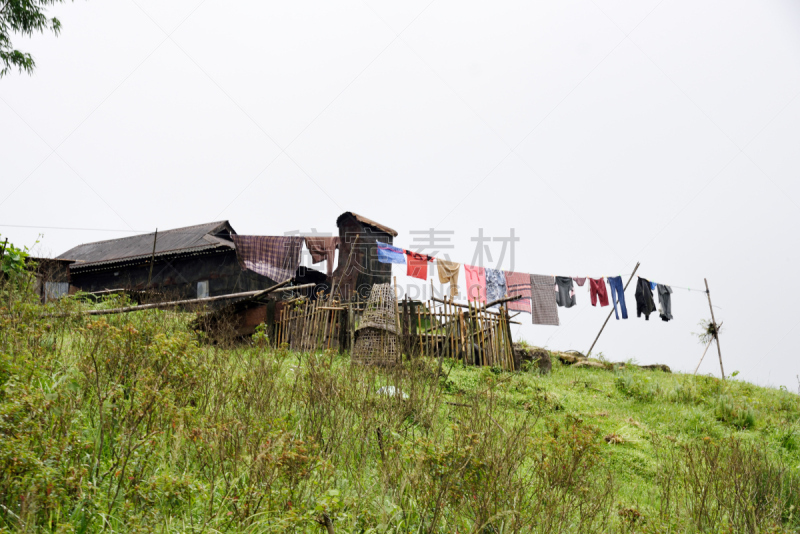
[597, 288]
[476, 283]
[417, 265]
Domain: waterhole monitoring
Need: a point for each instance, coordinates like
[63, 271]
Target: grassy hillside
[132, 423]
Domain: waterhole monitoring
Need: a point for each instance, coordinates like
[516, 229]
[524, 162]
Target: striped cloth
[495, 285]
[519, 284]
[276, 257]
[543, 297]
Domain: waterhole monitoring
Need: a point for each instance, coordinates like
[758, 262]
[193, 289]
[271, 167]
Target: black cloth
[644, 299]
[665, 301]
[565, 292]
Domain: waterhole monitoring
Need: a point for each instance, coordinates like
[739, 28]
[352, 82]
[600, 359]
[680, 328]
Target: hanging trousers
[618, 295]
[597, 289]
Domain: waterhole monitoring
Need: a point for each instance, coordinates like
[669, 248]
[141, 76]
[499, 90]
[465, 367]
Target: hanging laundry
[476, 283]
[323, 248]
[518, 284]
[618, 295]
[448, 273]
[543, 300]
[495, 285]
[653, 286]
[597, 290]
[276, 257]
[389, 254]
[580, 280]
[665, 300]
[417, 265]
[565, 292]
[644, 299]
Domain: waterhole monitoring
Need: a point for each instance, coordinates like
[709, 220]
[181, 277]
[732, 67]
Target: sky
[602, 133]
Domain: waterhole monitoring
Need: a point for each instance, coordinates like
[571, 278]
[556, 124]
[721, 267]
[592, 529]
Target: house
[201, 261]
[184, 263]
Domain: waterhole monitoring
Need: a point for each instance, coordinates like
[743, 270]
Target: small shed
[358, 268]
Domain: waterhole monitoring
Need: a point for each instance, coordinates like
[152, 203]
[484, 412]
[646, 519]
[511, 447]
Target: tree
[24, 17]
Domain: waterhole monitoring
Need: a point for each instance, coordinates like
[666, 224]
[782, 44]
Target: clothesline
[539, 295]
[418, 256]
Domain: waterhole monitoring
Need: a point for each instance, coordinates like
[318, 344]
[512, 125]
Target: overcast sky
[603, 132]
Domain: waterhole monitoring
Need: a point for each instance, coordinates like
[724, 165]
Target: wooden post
[703, 356]
[407, 327]
[510, 341]
[351, 326]
[419, 332]
[152, 259]
[612, 311]
[716, 330]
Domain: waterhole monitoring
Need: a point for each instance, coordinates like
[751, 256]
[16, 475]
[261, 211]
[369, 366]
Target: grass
[134, 423]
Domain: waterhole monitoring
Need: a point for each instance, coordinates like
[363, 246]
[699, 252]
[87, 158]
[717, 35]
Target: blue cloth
[495, 285]
[389, 254]
[618, 295]
[653, 286]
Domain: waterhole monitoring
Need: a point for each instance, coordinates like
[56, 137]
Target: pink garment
[476, 283]
[519, 284]
[580, 280]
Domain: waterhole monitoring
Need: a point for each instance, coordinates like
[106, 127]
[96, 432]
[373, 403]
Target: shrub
[729, 411]
[712, 482]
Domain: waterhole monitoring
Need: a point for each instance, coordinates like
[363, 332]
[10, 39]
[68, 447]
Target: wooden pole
[351, 326]
[168, 304]
[152, 258]
[503, 300]
[710, 341]
[612, 311]
[419, 332]
[716, 330]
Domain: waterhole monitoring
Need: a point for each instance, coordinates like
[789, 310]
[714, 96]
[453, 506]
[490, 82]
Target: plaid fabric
[476, 283]
[543, 298]
[495, 285]
[448, 273]
[323, 248]
[276, 257]
[519, 284]
[417, 265]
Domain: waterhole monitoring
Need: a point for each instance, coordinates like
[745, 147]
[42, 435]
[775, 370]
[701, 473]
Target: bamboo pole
[484, 355]
[282, 326]
[169, 304]
[612, 310]
[510, 340]
[473, 334]
[710, 341]
[471, 337]
[716, 331]
[503, 300]
[449, 331]
[419, 331]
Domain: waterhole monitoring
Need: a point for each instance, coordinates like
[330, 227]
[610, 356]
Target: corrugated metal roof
[178, 240]
[368, 222]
